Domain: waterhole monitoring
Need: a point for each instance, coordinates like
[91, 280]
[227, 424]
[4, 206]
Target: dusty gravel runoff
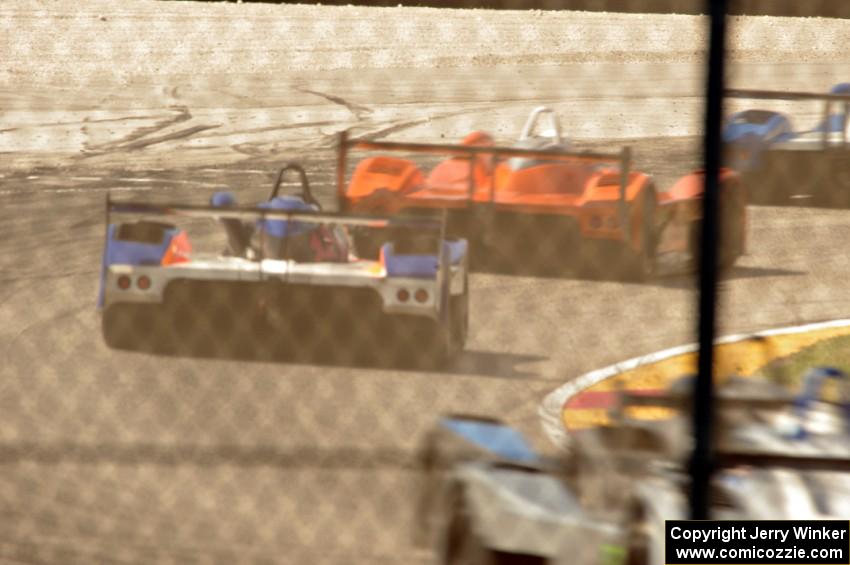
[115, 457]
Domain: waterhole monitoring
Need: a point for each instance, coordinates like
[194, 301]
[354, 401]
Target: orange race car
[540, 200]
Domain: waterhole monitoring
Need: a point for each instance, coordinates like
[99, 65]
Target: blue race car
[288, 283]
[781, 165]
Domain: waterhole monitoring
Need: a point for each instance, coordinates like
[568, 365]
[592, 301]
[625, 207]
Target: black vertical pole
[341, 155]
[702, 460]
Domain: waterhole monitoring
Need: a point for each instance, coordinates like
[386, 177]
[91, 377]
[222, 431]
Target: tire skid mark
[181, 114]
[84, 121]
[395, 127]
[385, 131]
[274, 128]
[263, 151]
[249, 149]
[237, 171]
[75, 190]
[357, 110]
[401, 126]
[180, 134]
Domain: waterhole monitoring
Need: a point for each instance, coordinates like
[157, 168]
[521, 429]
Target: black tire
[441, 341]
[448, 340]
[440, 349]
[459, 317]
[641, 264]
[500, 558]
[637, 539]
[462, 546]
[732, 242]
[115, 328]
[429, 492]
[840, 182]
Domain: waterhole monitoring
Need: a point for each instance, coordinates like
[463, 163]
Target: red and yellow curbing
[586, 401]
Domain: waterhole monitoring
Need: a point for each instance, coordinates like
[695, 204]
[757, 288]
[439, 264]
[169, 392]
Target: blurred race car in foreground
[489, 498]
[542, 202]
[782, 166]
[289, 282]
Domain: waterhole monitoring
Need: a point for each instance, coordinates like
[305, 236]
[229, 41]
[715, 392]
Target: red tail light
[421, 295]
[403, 295]
[124, 282]
[144, 282]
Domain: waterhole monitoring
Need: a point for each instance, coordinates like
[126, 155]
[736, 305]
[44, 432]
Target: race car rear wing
[434, 225]
[830, 100]
[346, 144]
[784, 95]
[257, 213]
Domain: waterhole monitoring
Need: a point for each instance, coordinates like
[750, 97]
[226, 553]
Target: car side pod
[140, 243]
[420, 265]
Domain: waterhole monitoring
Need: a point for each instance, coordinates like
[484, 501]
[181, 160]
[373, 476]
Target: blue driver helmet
[223, 199]
[286, 228]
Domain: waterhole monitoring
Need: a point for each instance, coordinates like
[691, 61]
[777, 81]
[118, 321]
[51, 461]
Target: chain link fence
[262, 386]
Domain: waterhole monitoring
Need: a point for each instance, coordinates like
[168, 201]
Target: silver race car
[490, 498]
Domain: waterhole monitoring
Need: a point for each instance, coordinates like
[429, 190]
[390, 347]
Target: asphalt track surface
[115, 457]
